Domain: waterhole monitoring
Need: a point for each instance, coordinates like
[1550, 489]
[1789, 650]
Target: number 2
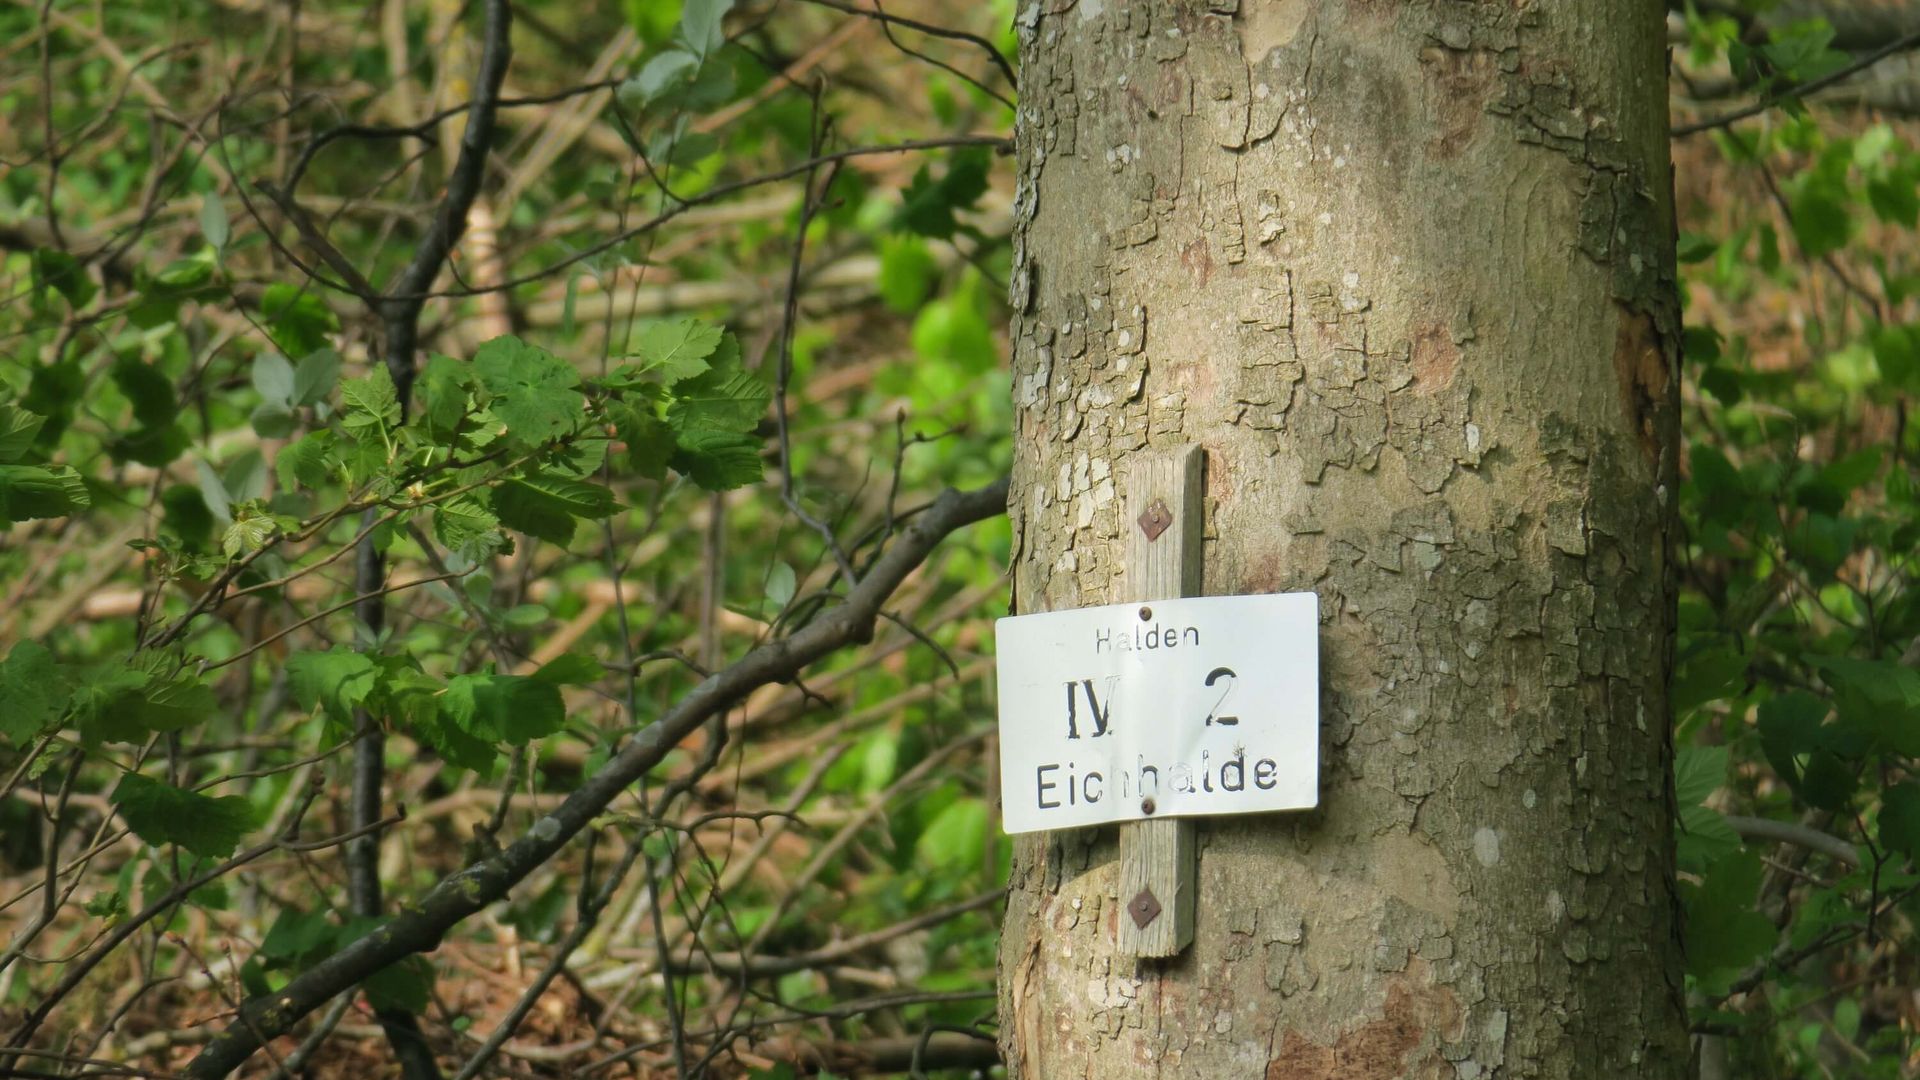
[1213, 715]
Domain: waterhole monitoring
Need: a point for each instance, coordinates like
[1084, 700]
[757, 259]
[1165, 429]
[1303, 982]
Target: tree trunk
[1405, 272]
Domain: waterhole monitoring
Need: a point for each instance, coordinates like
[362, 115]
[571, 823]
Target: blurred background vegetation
[821, 893]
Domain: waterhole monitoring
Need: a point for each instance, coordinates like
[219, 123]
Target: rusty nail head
[1155, 519]
[1146, 614]
[1147, 805]
[1144, 908]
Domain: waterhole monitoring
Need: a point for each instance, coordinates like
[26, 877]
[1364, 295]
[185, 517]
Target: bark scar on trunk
[1417, 1016]
[1435, 357]
[1641, 362]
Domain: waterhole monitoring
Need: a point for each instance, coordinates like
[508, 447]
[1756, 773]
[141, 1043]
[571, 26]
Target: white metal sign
[1205, 705]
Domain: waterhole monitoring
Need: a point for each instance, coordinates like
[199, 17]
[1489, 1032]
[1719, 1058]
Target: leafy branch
[421, 927]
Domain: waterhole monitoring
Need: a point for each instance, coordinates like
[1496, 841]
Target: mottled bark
[1404, 270]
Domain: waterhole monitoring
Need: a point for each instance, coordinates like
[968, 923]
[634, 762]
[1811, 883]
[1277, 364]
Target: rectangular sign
[1205, 705]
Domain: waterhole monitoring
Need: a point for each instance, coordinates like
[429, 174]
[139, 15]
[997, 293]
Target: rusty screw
[1147, 805]
[1146, 614]
[1144, 908]
[1155, 519]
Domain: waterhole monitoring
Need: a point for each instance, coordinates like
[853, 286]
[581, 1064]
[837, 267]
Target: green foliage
[334, 683]
[163, 814]
[33, 491]
[1797, 620]
[930, 205]
[31, 690]
[201, 441]
[547, 506]
[535, 395]
[675, 349]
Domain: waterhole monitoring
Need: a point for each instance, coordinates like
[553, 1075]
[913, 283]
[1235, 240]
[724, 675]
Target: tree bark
[1405, 271]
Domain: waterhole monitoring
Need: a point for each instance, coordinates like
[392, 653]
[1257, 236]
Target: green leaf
[523, 618]
[163, 814]
[213, 222]
[718, 460]
[1708, 675]
[907, 272]
[297, 937]
[468, 529]
[108, 704]
[28, 492]
[661, 73]
[336, 682]
[444, 390]
[272, 420]
[1800, 50]
[406, 985]
[1790, 725]
[1821, 221]
[249, 532]
[155, 446]
[308, 461]
[1723, 932]
[646, 440]
[52, 392]
[1899, 824]
[183, 278]
[513, 709]
[63, 274]
[315, 376]
[214, 490]
[1695, 248]
[371, 398]
[297, 319]
[780, 586]
[1705, 838]
[1881, 682]
[32, 692]
[1895, 200]
[928, 205]
[107, 904]
[273, 378]
[1896, 351]
[155, 403]
[700, 25]
[1698, 771]
[184, 514]
[879, 760]
[545, 506]
[456, 746]
[1876, 698]
[245, 477]
[571, 669]
[129, 700]
[1828, 783]
[18, 429]
[676, 348]
[534, 394]
[952, 330]
[956, 838]
[726, 398]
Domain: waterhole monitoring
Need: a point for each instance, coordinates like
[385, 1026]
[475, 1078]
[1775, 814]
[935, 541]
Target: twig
[562, 952]
[809, 205]
[1786, 832]
[383, 591]
[79, 969]
[1791, 93]
[421, 926]
[999, 59]
[714, 194]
